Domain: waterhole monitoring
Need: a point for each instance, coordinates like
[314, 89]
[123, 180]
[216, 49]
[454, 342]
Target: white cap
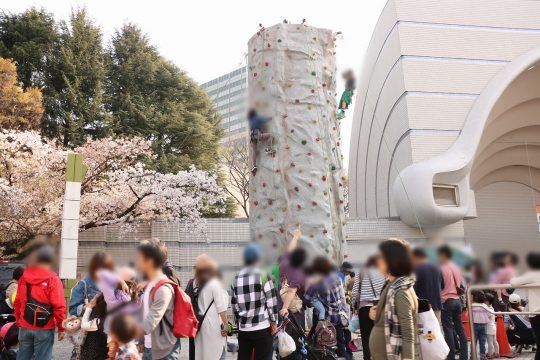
[514, 299]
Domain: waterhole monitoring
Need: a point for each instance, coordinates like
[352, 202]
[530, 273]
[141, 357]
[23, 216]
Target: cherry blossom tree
[118, 187]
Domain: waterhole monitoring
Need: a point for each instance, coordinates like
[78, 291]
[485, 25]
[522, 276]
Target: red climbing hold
[296, 188]
[308, 154]
[299, 206]
[269, 45]
[324, 178]
[297, 101]
[270, 202]
[293, 164]
[282, 230]
[254, 74]
[263, 184]
[314, 203]
[310, 184]
[325, 231]
[324, 85]
[254, 50]
[266, 63]
[317, 139]
[255, 203]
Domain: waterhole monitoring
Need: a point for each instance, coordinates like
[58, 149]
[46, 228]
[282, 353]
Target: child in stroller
[319, 344]
[9, 338]
[519, 332]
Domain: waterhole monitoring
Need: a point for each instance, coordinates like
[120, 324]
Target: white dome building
[446, 129]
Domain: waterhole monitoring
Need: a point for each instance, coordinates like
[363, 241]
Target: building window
[445, 195]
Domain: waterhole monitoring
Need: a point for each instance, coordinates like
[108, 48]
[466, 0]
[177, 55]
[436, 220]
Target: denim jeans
[175, 352]
[481, 338]
[451, 321]
[36, 344]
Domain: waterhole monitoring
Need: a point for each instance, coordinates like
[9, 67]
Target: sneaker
[340, 114]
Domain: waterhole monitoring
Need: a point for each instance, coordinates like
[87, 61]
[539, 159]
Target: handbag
[36, 313]
[286, 344]
[296, 303]
[431, 340]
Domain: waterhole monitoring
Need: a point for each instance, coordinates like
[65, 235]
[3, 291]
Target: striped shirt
[368, 293]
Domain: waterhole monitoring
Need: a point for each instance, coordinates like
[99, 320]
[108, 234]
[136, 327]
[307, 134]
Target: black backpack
[4, 308]
[36, 313]
[193, 293]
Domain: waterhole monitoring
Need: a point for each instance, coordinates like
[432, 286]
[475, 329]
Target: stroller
[9, 339]
[311, 347]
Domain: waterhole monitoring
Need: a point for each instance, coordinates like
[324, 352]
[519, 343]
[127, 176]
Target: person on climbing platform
[348, 93]
[256, 125]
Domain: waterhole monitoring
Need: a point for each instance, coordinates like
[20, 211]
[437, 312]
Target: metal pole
[470, 312]
[471, 322]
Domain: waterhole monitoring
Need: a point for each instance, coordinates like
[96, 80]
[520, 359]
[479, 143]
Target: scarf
[392, 329]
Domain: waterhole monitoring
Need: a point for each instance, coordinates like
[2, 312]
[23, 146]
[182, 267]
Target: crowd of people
[122, 313]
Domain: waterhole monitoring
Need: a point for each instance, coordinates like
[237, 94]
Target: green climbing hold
[304, 142]
[313, 73]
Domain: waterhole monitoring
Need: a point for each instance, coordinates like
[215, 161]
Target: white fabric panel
[292, 77]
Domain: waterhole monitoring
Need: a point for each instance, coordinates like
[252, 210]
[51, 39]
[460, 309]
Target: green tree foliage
[150, 97]
[75, 83]
[28, 38]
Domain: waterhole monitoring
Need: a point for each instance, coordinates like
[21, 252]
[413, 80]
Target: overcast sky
[208, 38]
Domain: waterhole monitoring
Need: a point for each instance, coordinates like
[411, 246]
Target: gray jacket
[163, 341]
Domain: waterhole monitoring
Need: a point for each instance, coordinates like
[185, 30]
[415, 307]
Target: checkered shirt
[252, 301]
[331, 294]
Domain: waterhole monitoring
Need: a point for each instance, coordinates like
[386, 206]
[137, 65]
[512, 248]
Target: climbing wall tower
[299, 179]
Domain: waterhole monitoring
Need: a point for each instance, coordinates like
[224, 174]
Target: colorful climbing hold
[304, 142]
[256, 203]
[296, 188]
[270, 201]
[314, 203]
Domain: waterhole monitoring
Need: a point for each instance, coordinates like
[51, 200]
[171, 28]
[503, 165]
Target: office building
[229, 94]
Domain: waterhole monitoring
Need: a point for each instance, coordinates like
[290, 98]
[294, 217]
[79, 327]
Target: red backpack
[185, 323]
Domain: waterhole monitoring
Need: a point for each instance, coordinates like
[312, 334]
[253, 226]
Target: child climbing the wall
[257, 134]
[346, 97]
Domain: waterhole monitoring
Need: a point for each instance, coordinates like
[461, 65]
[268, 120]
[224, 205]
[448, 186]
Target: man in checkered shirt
[254, 303]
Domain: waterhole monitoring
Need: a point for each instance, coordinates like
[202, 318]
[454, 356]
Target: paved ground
[62, 351]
